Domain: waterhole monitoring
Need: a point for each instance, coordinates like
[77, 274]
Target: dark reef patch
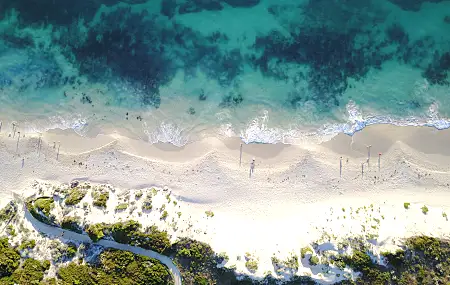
[148, 53]
[332, 54]
[57, 12]
[169, 7]
[396, 33]
[413, 5]
[437, 71]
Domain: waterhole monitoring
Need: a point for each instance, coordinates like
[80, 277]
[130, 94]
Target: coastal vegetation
[75, 196]
[130, 232]
[71, 224]
[147, 203]
[8, 212]
[40, 209]
[421, 260]
[111, 267]
[100, 198]
[121, 207]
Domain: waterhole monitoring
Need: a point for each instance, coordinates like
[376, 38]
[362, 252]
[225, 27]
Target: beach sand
[295, 196]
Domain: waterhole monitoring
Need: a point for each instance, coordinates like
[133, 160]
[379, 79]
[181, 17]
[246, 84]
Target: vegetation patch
[8, 212]
[116, 267]
[75, 196]
[147, 203]
[100, 198]
[406, 205]
[252, 265]
[28, 244]
[198, 263]
[424, 210]
[71, 224]
[209, 214]
[305, 250]
[164, 215]
[138, 194]
[121, 207]
[40, 209]
[130, 233]
[314, 260]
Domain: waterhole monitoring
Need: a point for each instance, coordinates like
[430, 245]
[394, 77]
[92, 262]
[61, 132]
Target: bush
[130, 233]
[116, 267]
[252, 265]
[100, 198]
[209, 214]
[138, 194]
[406, 205]
[75, 196]
[28, 244]
[314, 260]
[71, 224]
[9, 258]
[77, 274]
[147, 203]
[95, 231]
[424, 210]
[121, 207]
[71, 250]
[45, 205]
[31, 272]
[8, 212]
[305, 250]
[164, 215]
[40, 209]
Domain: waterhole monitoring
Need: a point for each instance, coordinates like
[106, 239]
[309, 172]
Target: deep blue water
[265, 70]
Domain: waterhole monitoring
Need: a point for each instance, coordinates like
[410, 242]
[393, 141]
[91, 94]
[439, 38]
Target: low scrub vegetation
[75, 196]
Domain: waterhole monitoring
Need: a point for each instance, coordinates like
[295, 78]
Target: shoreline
[294, 197]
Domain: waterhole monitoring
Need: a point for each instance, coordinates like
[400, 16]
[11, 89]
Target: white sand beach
[295, 196]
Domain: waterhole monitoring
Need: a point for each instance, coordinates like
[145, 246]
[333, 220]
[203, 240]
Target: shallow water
[265, 70]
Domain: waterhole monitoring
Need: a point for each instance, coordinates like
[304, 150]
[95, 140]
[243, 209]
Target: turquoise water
[265, 70]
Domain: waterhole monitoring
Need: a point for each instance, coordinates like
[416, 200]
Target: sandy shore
[294, 197]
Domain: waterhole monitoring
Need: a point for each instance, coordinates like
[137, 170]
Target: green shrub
[95, 231]
[314, 260]
[292, 262]
[138, 194]
[71, 224]
[121, 207]
[9, 258]
[44, 205]
[75, 196]
[8, 212]
[78, 274]
[209, 214]
[71, 250]
[129, 232]
[100, 198]
[147, 203]
[11, 231]
[305, 250]
[31, 272]
[164, 215]
[406, 205]
[252, 265]
[424, 210]
[28, 244]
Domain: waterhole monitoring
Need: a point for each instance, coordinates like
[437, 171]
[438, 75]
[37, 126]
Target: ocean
[267, 71]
